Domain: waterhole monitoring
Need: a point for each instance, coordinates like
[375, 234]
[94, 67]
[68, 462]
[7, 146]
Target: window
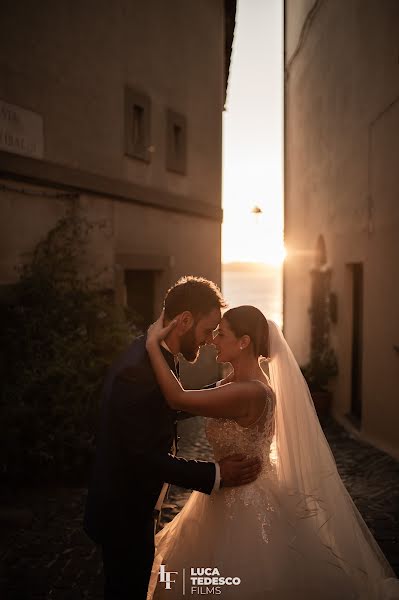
[140, 292]
[176, 142]
[137, 125]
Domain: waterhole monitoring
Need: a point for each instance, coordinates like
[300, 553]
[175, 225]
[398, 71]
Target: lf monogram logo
[164, 577]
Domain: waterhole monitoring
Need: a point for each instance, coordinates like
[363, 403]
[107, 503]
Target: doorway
[140, 295]
[357, 342]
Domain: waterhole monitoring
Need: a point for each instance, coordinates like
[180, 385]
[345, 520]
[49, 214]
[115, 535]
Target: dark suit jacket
[133, 457]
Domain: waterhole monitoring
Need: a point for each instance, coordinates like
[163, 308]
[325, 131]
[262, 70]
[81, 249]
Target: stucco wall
[296, 12]
[342, 182]
[70, 62]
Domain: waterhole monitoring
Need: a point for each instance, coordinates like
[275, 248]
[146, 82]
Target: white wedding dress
[278, 541]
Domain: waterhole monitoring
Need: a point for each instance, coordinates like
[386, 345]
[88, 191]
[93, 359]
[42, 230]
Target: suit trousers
[127, 563]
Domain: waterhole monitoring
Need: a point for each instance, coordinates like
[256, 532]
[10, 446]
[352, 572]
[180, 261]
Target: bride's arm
[228, 379]
[229, 400]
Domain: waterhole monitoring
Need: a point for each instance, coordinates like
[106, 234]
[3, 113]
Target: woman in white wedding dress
[294, 533]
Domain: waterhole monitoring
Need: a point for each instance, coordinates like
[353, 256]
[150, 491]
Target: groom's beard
[188, 345]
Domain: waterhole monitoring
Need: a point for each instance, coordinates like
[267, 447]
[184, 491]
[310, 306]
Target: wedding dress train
[293, 534]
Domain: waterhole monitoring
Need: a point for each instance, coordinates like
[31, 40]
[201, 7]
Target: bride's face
[227, 344]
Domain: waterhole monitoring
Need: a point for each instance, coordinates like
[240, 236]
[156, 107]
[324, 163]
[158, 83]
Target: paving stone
[53, 559]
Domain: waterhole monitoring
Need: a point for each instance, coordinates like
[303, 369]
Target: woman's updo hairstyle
[249, 320]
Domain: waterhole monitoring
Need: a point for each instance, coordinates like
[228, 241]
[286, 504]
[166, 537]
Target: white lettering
[164, 577]
[21, 131]
[200, 591]
[8, 115]
[204, 571]
[206, 576]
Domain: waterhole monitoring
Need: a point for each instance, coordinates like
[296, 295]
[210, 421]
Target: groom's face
[201, 333]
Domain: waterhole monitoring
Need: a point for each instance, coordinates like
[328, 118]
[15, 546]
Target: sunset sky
[253, 137]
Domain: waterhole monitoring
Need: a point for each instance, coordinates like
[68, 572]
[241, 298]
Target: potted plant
[322, 365]
[317, 372]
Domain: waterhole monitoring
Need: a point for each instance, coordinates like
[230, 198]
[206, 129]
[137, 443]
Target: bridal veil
[306, 469]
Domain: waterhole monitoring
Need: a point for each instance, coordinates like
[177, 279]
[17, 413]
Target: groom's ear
[184, 322]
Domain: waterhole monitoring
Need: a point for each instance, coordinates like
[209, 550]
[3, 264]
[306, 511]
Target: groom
[134, 447]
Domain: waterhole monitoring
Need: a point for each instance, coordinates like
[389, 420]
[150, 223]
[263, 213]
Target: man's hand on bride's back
[239, 470]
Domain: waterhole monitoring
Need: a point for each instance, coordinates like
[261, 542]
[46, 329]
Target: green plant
[58, 337]
[319, 370]
[323, 361]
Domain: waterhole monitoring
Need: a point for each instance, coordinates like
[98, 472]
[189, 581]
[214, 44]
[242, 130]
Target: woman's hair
[248, 320]
[196, 294]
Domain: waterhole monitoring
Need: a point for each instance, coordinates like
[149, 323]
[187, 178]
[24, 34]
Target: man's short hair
[196, 294]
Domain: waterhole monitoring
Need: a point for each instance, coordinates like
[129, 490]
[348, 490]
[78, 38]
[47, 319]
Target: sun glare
[275, 257]
[257, 247]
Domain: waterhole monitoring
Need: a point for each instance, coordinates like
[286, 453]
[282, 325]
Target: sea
[256, 284]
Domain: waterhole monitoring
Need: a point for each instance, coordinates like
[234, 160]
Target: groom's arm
[181, 415]
[191, 474]
[138, 444]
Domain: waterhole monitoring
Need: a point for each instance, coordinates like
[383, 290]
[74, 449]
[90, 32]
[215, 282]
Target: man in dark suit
[137, 433]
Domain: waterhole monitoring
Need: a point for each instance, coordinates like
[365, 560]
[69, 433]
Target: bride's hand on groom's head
[158, 331]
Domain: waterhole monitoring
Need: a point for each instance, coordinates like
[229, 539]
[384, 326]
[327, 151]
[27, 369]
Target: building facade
[118, 112]
[341, 199]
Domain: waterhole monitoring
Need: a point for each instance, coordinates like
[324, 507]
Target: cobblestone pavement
[52, 559]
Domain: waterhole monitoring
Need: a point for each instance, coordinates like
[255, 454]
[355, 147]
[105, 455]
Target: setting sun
[276, 256]
[252, 239]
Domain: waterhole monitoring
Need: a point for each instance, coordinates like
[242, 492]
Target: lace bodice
[227, 437]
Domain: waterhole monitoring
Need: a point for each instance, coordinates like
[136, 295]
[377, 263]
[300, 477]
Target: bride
[294, 533]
